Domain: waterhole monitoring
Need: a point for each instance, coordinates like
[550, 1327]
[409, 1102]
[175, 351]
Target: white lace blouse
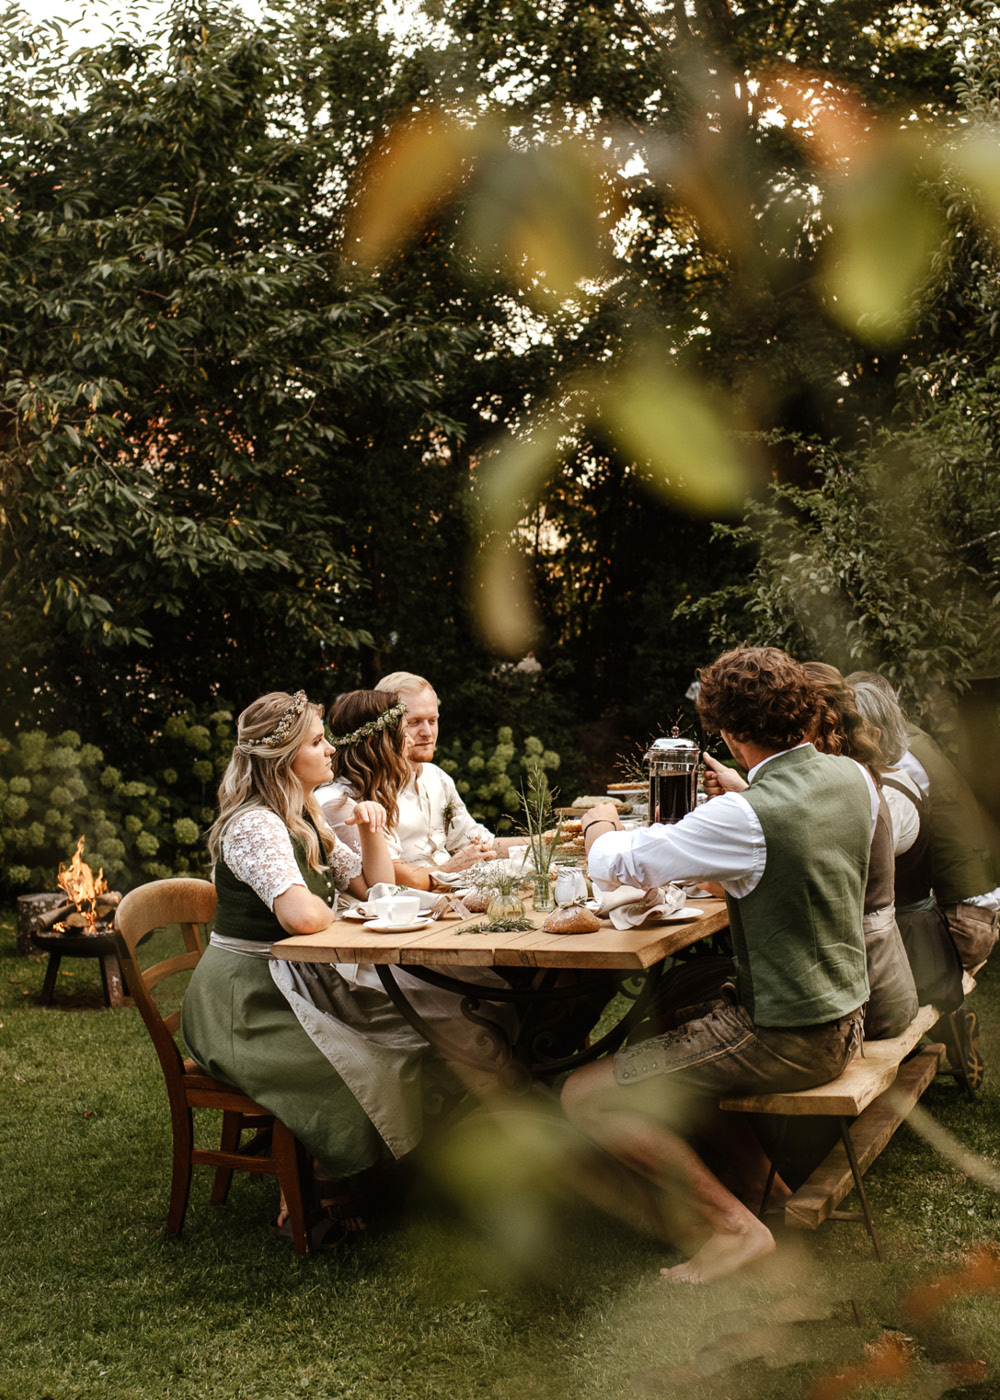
[257, 847]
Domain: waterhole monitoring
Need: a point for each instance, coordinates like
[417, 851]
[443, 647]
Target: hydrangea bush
[56, 788]
[489, 777]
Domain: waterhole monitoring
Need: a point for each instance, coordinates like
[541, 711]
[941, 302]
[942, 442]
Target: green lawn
[519, 1292]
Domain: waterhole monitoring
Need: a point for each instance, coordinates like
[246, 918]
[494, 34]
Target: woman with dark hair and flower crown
[293, 1036]
[371, 764]
[371, 748]
[369, 761]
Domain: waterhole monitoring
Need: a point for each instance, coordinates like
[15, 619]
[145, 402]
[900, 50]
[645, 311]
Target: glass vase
[504, 906]
[541, 900]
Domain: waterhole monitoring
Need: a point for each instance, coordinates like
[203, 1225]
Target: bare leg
[609, 1114]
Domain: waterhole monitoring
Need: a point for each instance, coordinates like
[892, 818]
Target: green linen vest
[241, 913]
[797, 938]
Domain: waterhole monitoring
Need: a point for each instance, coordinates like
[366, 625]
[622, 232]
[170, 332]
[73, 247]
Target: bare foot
[724, 1254]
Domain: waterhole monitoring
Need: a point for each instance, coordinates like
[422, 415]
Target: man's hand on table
[471, 854]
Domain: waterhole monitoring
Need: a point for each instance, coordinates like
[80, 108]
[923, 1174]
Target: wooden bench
[869, 1100]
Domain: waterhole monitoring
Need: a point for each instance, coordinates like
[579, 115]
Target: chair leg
[229, 1141]
[180, 1182]
[293, 1168]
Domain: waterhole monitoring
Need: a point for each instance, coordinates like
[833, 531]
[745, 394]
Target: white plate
[380, 926]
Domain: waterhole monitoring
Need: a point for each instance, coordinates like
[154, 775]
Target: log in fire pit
[79, 926]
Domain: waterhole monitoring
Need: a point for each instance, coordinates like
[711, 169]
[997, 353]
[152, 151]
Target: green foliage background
[238, 454]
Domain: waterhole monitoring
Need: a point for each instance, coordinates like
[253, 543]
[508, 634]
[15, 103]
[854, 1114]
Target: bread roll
[575, 919]
[476, 901]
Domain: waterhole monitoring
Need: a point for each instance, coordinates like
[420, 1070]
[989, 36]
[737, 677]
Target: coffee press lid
[675, 745]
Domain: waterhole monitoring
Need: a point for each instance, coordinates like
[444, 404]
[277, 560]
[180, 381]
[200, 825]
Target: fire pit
[80, 927]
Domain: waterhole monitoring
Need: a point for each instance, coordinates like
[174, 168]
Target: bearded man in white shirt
[434, 826]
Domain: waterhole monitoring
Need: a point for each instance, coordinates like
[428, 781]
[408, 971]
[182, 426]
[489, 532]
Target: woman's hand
[719, 779]
[367, 816]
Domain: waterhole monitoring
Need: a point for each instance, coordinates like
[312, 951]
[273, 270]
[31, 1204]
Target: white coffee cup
[397, 908]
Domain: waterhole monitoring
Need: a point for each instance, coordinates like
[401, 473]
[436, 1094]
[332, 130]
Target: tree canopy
[238, 452]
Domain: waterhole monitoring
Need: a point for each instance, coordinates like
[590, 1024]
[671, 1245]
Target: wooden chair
[273, 1150]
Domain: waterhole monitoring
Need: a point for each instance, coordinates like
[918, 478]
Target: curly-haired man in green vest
[791, 853]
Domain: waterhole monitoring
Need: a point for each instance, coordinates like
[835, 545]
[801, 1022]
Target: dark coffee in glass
[671, 796]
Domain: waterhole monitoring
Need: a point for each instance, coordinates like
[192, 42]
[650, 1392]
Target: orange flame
[78, 883]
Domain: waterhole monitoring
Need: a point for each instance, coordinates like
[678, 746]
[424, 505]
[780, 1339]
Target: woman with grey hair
[937, 969]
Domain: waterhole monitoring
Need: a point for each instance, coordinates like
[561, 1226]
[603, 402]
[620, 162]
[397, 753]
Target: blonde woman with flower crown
[342, 1074]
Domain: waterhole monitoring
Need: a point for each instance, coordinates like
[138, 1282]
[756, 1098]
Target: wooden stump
[30, 908]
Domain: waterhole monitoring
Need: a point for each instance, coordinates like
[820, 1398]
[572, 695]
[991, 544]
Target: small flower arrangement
[495, 879]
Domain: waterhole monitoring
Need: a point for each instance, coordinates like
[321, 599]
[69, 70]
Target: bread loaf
[476, 901]
[575, 919]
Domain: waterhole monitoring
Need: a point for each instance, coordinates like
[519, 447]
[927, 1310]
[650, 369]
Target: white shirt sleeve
[916, 770]
[902, 813]
[721, 840]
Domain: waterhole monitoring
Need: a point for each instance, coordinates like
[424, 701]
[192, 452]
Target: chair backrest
[161, 902]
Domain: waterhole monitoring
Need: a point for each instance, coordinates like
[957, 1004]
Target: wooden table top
[448, 942]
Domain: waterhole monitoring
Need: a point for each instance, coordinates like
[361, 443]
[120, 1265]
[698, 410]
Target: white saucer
[381, 926]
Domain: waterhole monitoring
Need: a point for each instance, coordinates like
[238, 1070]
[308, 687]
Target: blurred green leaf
[673, 425]
[975, 161]
[538, 212]
[502, 598]
[412, 171]
[516, 470]
[885, 232]
[511, 482]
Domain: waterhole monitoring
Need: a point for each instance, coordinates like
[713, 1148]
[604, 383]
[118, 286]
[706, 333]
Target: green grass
[521, 1294]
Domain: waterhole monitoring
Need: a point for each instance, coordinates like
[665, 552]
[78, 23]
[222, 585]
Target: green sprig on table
[500, 926]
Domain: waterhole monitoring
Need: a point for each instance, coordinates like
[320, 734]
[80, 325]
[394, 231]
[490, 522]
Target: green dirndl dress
[240, 1028]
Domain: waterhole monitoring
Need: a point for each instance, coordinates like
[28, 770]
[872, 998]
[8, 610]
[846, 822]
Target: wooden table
[557, 969]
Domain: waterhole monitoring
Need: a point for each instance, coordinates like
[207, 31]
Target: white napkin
[628, 907]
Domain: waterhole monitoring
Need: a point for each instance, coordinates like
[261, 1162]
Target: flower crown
[279, 733]
[374, 726]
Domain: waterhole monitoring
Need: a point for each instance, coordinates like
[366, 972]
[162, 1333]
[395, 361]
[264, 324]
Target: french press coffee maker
[673, 778]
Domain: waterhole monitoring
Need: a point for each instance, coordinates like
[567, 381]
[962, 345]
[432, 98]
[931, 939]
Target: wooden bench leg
[859, 1186]
[772, 1173]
